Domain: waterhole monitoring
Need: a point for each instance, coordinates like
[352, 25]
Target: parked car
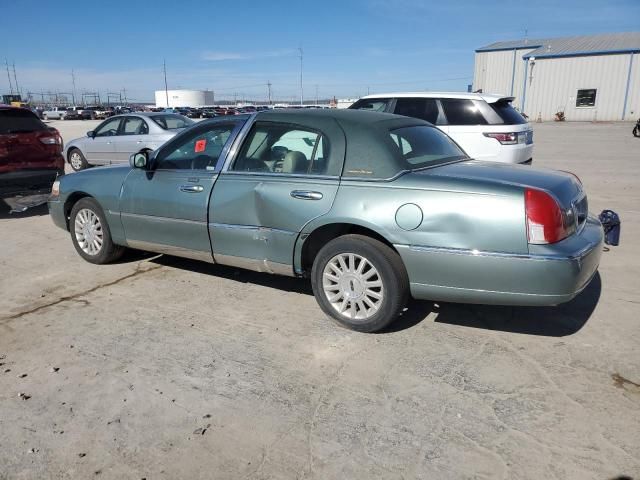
[79, 113]
[371, 207]
[208, 113]
[30, 153]
[103, 113]
[54, 113]
[115, 139]
[486, 126]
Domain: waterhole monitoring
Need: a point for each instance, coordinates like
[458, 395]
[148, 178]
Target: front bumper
[56, 212]
[547, 275]
[28, 182]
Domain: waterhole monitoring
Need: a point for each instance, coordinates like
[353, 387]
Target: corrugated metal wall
[552, 84]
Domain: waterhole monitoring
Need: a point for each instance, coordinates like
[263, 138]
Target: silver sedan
[115, 139]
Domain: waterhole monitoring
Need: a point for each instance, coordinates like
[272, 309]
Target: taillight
[546, 221]
[510, 138]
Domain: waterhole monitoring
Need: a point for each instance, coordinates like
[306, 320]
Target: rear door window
[423, 108]
[19, 121]
[460, 111]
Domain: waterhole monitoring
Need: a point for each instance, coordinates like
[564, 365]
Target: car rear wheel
[360, 282]
[77, 160]
[90, 233]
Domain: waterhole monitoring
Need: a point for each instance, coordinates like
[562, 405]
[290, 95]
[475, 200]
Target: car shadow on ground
[29, 212]
[559, 321]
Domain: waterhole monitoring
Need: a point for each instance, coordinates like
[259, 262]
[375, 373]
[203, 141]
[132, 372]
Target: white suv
[486, 126]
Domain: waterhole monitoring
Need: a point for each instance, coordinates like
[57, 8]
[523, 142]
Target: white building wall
[633, 99]
[184, 98]
[494, 73]
[554, 84]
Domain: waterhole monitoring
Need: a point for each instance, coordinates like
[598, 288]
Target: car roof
[342, 115]
[487, 97]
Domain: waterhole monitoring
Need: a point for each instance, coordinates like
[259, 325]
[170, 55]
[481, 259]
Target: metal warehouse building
[184, 98]
[589, 78]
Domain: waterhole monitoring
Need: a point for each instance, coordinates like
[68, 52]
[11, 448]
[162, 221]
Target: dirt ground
[164, 368]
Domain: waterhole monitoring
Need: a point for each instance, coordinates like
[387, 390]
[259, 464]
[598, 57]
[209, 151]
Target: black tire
[108, 251]
[74, 165]
[636, 131]
[390, 271]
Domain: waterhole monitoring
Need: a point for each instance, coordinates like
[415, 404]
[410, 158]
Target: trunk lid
[564, 186]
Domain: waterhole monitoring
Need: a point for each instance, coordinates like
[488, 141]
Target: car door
[283, 176]
[100, 149]
[133, 136]
[164, 208]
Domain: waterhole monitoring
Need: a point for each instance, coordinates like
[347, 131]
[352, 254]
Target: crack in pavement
[75, 296]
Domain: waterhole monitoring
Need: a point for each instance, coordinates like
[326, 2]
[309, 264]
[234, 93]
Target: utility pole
[8, 76]
[15, 78]
[301, 85]
[73, 80]
[124, 91]
[316, 94]
[269, 91]
[166, 89]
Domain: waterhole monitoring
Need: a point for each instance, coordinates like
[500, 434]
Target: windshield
[423, 146]
[172, 121]
[19, 121]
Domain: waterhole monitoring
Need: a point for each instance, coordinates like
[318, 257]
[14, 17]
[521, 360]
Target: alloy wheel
[353, 286]
[88, 231]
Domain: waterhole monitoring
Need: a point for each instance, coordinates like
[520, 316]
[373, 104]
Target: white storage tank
[184, 98]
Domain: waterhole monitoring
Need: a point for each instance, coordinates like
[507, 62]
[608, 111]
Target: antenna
[269, 91]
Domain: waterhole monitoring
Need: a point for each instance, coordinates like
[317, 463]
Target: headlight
[55, 190]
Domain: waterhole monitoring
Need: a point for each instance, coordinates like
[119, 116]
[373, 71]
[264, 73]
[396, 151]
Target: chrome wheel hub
[76, 161]
[353, 286]
[88, 231]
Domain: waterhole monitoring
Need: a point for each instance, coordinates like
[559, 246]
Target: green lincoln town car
[372, 207]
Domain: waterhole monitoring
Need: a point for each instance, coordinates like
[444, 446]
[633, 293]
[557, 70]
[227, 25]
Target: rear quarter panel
[457, 213]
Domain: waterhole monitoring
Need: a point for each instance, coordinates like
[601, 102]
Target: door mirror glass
[90, 134]
[139, 160]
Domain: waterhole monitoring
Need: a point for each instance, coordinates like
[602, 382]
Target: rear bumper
[28, 182]
[547, 275]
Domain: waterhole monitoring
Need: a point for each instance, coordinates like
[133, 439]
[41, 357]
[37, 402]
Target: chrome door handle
[191, 188]
[306, 195]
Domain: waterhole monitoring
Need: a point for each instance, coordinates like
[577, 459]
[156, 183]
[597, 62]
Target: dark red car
[30, 153]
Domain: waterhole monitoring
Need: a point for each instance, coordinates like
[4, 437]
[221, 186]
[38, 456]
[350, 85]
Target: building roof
[627, 42]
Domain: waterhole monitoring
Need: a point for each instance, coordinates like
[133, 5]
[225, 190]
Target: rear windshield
[508, 114]
[19, 121]
[422, 146]
[372, 104]
[171, 121]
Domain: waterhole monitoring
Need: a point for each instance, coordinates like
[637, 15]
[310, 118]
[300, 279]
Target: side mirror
[91, 134]
[139, 160]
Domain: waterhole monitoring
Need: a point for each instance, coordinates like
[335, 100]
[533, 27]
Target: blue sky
[350, 46]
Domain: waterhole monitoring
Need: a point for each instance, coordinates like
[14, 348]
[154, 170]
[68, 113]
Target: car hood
[563, 185]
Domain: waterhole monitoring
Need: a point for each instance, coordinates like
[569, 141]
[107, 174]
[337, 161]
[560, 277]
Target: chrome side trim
[171, 250]
[525, 256]
[159, 219]
[254, 264]
[230, 226]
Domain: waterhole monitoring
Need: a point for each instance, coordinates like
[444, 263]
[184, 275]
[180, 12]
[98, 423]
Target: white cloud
[221, 56]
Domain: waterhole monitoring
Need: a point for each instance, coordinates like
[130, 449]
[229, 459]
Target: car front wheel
[360, 282]
[90, 233]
